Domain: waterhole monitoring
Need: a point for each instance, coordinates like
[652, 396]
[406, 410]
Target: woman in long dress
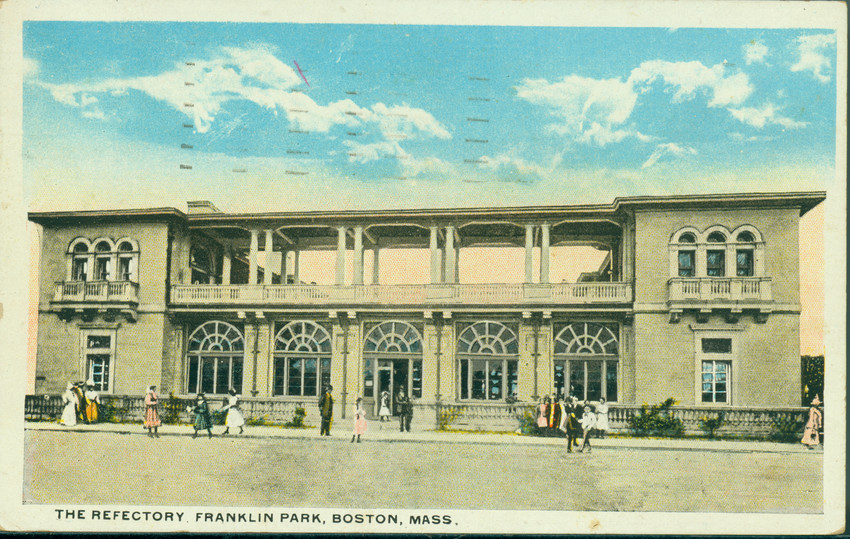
[359, 420]
[234, 414]
[588, 421]
[82, 402]
[543, 414]
[69, 412]
[811, 436]
[152, 421]
[203, 419]
[94, 402]
[602, 426]
[384, 412]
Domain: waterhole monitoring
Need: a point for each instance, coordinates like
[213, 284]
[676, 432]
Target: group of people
[402, 401]
[201, 410]
[80, 403]
[558, 416]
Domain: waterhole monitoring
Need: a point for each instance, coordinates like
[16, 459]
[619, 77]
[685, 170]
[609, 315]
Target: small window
[717, 346]
[687, 237]
[746, 237]
[715, 381]
[102, 247]
[125, 246]
[686, 263]
[744, 263]
[716, 237]
[98, 341]
[716, 263]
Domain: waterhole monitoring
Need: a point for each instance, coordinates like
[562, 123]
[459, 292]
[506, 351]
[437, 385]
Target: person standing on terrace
[811, 436]
[326, 409]
[152, 421]
[203, 419]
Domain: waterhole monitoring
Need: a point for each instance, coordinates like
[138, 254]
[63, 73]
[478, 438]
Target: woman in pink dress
[811, 436]
[543, 414]
[151, 415]
[359, 420]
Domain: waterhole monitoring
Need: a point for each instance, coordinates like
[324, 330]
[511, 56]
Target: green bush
[297, 420]
[786, 428]
[171, 409]
[448, 417]
[709, 425]
[657, 420]
[528, 421]
[109, 413]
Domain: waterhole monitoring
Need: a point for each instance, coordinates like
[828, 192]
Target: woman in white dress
[602, 418]
[384, 412]
[69, 412]
[234, 414]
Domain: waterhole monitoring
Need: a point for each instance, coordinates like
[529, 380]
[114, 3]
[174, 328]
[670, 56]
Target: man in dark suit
[326, 408]
[405, 410]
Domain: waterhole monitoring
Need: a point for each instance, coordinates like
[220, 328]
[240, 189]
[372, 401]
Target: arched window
[745, 254]
[716, 252]
[392, 360]
[103, 261]
[215, 358]
[98, 260]
[80, 262]
[716, 237]
[488, 354]
[687, 237]
[302, 359]
[128, 257]
[587, 355]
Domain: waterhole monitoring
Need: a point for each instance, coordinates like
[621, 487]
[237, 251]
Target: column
[283, 254]
[544, 253]
[340, 256]
[226, 262]
[268, 248]
[450, 254]
[296, 267]
[358, 255]
[435, 257]
[529, 246]
[376, 258]
[252, 257]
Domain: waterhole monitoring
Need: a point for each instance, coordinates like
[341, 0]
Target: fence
[737, 422]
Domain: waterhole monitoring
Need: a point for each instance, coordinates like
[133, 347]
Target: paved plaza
[119, 464]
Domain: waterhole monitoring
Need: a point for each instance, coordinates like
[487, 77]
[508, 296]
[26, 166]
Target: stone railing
[429, 294]
[719, 289]
[96, 292]
[497, 416]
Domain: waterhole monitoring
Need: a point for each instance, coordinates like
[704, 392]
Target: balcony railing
[683, 290]
[96, 292]
[429, 294]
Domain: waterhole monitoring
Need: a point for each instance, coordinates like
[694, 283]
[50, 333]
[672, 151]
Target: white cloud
[766, 115]
[667, 149]
[811, 55]
[30, 68]
[687, 78]
[755, 52]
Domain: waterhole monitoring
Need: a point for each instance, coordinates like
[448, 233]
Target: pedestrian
[359, 420]
[602, 426]
[94, 401]
[234, 414]
[69, 411]
[556, 410]
[152, 421]
[811, 436]
[203, 420]
[82, 402]
[384, 412]
[588, 421]
[543, 415]
[571, 424]
[405, 410]
[326, 409]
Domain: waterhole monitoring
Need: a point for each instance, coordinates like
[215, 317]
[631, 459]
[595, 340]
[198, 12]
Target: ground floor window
[715, 381]
[301, 376]
[488, 379]
[215, 375]
[98, 354]
[589, 379]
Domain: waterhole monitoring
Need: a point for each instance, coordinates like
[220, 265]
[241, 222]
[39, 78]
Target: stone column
[226, 261]
[544, 253]
[358, 255]
[252, 257]
[296, 267]
[435, 257]
[340, 256]
[268, 249]
[450, 254]
[376, 259]
[283, 254]
[529, 247]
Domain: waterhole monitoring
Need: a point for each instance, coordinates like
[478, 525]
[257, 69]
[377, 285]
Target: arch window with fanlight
[302, 359]
[587, 360]
[488, 354]
[216, 351]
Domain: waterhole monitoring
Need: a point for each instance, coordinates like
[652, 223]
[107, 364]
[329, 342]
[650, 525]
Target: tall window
[715, 356]
[302, 359]
[744, 254]
[393, 354]
[215, 358]
[103, 261]
[80, 262]
[98, 355]
[127, 258]
[715, 381]
[715, 263]
[687, 263]
[587, 358]
[488, 352]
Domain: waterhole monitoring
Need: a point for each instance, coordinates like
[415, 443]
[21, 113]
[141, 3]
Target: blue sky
[317, 116]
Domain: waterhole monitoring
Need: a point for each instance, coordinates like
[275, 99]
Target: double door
[393, 376]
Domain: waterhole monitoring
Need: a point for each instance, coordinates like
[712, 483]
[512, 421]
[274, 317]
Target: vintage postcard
[443, 267]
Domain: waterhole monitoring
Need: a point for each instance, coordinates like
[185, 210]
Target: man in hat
[326, 408]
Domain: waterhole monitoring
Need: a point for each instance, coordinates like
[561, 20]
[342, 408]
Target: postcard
[445, 267]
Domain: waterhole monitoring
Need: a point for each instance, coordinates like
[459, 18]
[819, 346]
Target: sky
[278, 117]
[320, 116]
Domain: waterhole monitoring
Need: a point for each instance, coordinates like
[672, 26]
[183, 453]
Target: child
[384, 413]
[359, 420]
[588, 421]
[234, 415]
[203, 420]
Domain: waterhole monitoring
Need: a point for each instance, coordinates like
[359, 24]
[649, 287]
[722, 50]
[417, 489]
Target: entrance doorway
[392, 376]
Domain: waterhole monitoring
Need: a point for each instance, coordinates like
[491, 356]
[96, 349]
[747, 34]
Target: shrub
[109, 413]
[786, 428]
[171, 409]
[709, 425]
[528, 421]
[657, 420]
[297, 420]
[448, 416]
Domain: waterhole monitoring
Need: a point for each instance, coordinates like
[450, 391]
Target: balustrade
[724, 289]
[95, 291]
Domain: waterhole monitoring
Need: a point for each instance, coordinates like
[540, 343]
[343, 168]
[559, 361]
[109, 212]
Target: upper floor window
[715, 263]
[716, 252]
[102, 260]
[80, 262]
[687, 264]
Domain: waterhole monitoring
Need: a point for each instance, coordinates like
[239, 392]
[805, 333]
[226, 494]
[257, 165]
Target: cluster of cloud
[200, 89]
[811, 55]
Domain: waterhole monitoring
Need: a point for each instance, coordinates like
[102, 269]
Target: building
[696, 298]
